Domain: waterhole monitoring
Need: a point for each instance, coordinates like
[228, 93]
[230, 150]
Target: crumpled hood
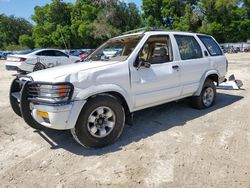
[52, 74]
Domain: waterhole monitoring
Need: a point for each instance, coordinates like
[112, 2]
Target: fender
[203, 78]
[104, 88]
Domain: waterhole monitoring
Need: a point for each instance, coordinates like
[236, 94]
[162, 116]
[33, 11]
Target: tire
[15, 105]
[207, 97]
[86, 131]
[38, 66]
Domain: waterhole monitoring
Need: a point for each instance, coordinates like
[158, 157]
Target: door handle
[175, 67]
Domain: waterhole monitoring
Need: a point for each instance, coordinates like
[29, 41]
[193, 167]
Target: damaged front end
[43, 104]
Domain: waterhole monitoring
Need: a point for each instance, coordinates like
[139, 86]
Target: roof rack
[144, 29]
[135, 30]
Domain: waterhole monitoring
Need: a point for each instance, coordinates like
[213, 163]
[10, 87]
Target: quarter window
[188, 46]
[211, 45]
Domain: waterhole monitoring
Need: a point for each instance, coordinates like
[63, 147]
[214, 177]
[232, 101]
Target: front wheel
[100, 122]
[207, 97]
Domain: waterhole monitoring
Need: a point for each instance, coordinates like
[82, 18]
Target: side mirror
[146, 64]
[139, 62]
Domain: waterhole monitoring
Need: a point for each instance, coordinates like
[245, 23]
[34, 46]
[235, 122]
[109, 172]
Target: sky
[25, 8]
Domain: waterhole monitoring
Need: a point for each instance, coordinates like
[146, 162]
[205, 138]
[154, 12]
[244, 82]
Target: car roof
[43, 49]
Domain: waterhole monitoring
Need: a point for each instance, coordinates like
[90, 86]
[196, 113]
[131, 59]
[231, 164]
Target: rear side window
[188, 46]
[58, 53]
[46, 53]
[212, 47]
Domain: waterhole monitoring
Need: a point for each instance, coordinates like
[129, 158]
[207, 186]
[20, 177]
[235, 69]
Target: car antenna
[64, 41]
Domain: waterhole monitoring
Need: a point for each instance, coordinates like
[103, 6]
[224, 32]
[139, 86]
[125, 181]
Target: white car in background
[34, 60]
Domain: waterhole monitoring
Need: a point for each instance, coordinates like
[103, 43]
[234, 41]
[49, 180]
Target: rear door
[61, 57]
[47, 57]
[193, 62]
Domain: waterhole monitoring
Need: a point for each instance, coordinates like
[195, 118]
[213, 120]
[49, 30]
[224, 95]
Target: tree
[26, 41]
[11, 28]
[85, 24]
[152, 13]
[226, 20]
[52, 24]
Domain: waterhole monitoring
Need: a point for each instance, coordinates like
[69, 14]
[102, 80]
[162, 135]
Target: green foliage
[226, 20]
[11, 28]
[26, 41]
[14, 47]
[82, 25]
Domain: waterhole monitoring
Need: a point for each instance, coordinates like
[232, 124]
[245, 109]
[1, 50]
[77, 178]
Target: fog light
[42, 114]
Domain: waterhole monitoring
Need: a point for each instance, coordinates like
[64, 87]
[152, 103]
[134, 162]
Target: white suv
[148, 69]
[34, 60]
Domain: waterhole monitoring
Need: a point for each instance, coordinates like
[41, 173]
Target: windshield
[117, 49]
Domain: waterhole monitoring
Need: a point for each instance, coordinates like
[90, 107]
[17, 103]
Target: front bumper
[60, 116]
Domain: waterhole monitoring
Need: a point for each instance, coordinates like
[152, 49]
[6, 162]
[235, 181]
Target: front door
[161, 81]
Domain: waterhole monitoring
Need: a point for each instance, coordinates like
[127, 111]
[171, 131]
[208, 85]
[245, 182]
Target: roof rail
[135, 30]
[143, 29]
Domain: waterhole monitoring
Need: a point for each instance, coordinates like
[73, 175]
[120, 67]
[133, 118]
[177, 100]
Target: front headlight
[52, 93]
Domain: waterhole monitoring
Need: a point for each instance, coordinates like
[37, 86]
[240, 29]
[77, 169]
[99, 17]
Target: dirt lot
[171, 145]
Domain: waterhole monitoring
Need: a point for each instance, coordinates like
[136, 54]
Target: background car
[3, 55]
[34, 60]
[82, 53]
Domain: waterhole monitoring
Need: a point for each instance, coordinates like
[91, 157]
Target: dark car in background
[3, 55]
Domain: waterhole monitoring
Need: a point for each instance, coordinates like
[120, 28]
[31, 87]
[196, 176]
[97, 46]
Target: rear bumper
[18, 66]
[11, 68]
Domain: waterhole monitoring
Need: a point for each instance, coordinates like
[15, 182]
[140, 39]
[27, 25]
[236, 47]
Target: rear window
[26, 52]
[212, 47]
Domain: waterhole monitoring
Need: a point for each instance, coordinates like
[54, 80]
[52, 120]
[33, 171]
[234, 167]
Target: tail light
[22, 59]
[16, 59]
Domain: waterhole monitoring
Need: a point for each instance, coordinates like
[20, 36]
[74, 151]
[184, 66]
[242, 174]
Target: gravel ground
[171, 145]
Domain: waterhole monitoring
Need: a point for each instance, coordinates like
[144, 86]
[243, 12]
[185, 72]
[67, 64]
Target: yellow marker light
[63, 90]
[42, 114]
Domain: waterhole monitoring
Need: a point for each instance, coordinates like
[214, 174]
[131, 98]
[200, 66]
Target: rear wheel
[100, 122]
[38, 66]
[207, 97]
